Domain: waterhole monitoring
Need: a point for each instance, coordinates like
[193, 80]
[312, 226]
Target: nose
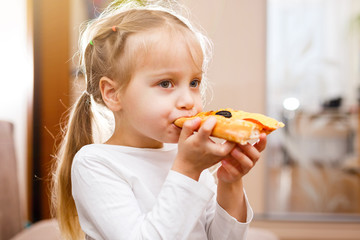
[185, 100]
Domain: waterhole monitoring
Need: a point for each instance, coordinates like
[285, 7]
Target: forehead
[167, 44]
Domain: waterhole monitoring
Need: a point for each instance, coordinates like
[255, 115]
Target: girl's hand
[242, 159]
[230, 186]
[196, 150]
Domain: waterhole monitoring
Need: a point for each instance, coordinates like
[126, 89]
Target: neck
[129, 141]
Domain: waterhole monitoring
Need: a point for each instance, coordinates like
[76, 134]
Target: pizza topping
[226, 114]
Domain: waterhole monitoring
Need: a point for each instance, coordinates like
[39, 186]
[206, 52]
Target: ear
[109, 93]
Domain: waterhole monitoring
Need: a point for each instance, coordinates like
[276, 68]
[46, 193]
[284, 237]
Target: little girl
[149, 179]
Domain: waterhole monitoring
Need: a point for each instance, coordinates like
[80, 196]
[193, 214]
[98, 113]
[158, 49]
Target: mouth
[186, 115]
[175, 129]
[173, 123]
[177, 119]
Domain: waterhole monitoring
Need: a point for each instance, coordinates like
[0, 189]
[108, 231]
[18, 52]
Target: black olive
[226, 114]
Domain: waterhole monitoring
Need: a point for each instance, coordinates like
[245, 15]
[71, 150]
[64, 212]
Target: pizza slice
[236, 126]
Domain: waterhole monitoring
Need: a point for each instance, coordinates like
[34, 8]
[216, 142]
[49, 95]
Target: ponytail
[77, 134]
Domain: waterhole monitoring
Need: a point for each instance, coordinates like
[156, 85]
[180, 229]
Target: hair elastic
[88, 97]
[91, 43]
[113, 28]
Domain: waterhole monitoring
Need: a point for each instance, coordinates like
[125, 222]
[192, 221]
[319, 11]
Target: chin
[172, 135]
[172, 139]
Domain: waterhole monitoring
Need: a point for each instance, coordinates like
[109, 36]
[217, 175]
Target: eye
[195, 83]
[166, 84]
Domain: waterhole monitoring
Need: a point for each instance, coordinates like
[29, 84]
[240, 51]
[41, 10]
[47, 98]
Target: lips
[184, 116]
[173, 124]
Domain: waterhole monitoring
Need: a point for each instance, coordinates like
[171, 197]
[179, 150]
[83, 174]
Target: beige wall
[237, 29]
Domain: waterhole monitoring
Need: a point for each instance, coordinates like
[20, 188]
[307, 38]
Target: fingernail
[210, 121]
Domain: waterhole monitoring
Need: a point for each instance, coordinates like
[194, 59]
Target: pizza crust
[237, 126]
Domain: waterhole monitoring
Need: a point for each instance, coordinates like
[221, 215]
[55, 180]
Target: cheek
[199, 107]
[199, 104]
[149, 112]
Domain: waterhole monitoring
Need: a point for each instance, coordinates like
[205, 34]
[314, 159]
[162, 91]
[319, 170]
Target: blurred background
[295, 60]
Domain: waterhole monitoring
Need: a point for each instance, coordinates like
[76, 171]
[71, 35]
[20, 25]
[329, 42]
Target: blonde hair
[102, 44]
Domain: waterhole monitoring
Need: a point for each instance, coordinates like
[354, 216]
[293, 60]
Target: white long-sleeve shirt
[131, 193]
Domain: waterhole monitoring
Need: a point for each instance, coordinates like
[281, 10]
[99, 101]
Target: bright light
[291, 103]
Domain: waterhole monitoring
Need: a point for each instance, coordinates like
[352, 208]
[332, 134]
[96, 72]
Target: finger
[207, 128]
[229, 168]
[243, 161]
[260, 146]
[250, 151]
[189, 127]
[221, 149]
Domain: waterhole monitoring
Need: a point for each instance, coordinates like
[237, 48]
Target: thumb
[189, 127]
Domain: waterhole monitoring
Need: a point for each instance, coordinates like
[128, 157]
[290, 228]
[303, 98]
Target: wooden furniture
[10, 216]
[42, 230]
[51, 26]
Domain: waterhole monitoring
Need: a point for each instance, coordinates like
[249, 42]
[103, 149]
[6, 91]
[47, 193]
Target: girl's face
[165, 85]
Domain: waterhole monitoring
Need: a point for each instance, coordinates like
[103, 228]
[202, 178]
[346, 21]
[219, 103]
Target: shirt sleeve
[108, 209]
[220, 224]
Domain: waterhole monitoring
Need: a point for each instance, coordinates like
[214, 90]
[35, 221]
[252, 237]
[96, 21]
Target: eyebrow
[171, 72]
